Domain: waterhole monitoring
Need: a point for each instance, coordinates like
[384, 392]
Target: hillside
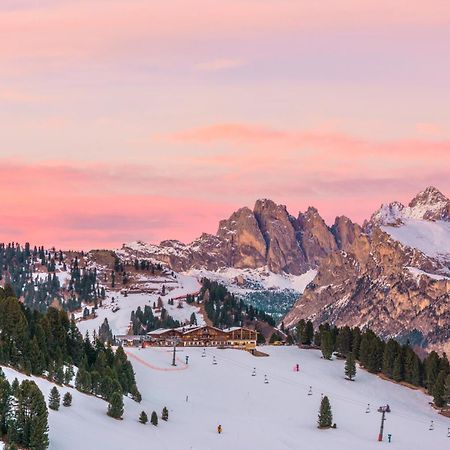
[253, 414]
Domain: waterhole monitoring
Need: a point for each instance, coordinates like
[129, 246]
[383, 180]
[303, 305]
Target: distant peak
[429, 196]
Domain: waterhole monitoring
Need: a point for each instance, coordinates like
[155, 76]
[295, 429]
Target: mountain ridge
[387, 273]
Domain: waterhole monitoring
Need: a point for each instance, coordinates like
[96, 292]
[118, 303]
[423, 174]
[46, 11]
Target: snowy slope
[431, 238]
[120, 320]
[275, 416]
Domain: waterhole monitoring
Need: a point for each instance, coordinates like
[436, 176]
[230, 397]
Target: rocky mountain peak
[283, 251]
[387, 214]
[430, 204]
[316, 239]
[429, 196]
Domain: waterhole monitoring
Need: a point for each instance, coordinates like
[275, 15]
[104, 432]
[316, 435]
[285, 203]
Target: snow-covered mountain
[424, 224]
[395, 277]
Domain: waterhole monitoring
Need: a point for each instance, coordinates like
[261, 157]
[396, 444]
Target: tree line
[18, 268]
[49, 344]
[225, 310]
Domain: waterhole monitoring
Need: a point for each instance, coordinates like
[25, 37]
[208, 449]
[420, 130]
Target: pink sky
[134, 119]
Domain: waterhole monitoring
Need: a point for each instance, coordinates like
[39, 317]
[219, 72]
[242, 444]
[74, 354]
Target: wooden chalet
[203, 336]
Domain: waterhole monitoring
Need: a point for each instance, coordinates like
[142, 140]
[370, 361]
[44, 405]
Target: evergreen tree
[68, 374]
[431, 370]
[54, 399]
[350, 366]
[67, 399]
[391, 351]
[165, 414]
[325, 415]
[439, 397]
[59, 375]
[309, 333]
[154, 419]
[5, 404]
[326, 344]
[143, 418]
[344, 340]
[115, 407]
[32, 417]
[397, 371]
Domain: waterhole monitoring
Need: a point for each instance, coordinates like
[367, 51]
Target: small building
[241, 337]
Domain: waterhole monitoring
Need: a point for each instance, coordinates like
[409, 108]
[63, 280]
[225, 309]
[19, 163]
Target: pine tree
[143, 418]
[350, 366]
[115, 407]
[59, 375]
[325, 415]
[33, 415]
[326, 344]
[154, 419]
[431, 370]
[397, 372]
[68, 374]
[5, 404]
[54, 399]
[67, 400]
[439, 397]
[165, 414]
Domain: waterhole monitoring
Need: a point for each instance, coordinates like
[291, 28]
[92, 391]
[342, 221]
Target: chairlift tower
[382, 410]
[174, 342]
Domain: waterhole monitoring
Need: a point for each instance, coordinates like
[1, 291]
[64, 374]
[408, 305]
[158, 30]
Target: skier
[187, 359]
[389, 437]
[297, 368]
[219, 429]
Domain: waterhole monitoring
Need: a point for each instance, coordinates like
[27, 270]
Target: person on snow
[219, 429]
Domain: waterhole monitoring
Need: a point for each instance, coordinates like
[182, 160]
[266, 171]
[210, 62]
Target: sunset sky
[142, 119]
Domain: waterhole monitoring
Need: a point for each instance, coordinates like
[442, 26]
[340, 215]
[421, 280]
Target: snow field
[274, 416]
[431, 238]
[280, 415]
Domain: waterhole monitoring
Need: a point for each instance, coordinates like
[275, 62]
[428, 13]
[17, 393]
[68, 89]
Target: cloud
[325, 141]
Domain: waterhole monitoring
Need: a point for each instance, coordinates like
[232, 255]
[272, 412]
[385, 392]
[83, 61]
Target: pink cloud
[83, 205]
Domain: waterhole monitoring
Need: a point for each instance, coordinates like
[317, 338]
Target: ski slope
[119, 321]
[274, 416]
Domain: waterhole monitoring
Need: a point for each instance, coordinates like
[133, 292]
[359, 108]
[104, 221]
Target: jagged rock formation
[266, 236]
[377, 281]
[392, 274]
